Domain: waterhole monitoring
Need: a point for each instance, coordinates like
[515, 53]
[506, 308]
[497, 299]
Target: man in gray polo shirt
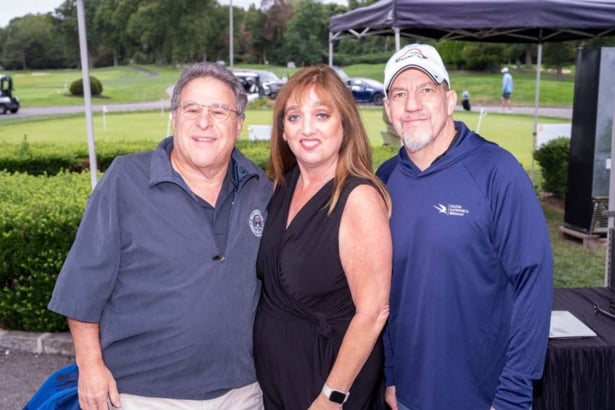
[159, 287]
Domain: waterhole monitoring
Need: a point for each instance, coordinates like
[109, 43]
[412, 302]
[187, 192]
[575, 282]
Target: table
[579, 373]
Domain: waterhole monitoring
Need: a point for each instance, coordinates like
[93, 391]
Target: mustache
[411, 117]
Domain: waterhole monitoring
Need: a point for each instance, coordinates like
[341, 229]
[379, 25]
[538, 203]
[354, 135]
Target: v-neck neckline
[294, 179]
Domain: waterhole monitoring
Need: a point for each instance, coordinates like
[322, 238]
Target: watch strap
[336, 396]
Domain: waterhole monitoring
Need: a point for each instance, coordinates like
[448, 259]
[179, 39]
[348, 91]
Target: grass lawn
[148, 83]
[513, 132]
[575, 265]
[120, 85]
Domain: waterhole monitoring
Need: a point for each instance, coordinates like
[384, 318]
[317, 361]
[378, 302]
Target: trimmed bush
[39, 220]
[553, 160]
[50, 159]
[76, 87]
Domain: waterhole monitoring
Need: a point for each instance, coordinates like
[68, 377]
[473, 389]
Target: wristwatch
[335, 396]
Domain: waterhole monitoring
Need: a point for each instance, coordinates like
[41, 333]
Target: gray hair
[213, 70]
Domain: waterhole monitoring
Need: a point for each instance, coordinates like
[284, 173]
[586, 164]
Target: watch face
[337, 397]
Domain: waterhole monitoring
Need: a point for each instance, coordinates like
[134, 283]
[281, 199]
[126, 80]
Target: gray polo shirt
[175, 318]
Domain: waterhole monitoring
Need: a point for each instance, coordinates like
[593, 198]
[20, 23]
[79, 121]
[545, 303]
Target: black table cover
[579, 373]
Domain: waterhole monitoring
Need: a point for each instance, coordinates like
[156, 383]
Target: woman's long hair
[355, 157]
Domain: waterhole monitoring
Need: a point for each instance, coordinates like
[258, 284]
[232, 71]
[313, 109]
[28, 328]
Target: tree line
[173, 32]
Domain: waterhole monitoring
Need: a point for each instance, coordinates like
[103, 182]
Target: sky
[19, 8]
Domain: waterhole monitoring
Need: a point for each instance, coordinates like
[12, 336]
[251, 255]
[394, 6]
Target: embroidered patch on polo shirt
[257, 222]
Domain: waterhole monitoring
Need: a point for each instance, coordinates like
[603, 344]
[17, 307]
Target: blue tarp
[59, 392]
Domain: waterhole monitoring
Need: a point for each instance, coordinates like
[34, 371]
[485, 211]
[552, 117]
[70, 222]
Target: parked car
[263, 82]
[366, 90]
[251, 83]
[8, 102]
[271, 83]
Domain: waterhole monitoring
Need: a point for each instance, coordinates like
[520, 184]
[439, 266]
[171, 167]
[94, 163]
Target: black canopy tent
[511, 21]
[515, 21]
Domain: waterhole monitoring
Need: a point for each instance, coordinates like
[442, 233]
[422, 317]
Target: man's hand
[390, 397]
[96, 387]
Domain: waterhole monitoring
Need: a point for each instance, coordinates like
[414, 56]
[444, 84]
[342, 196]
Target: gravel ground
[21, 374]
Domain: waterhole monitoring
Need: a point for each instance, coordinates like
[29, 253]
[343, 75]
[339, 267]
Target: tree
[483, 56]
[170, 31]
[306, 40]
[252, 38]
[278, 16]
[30, 42]
[109, 20]
[452, 53]
[559, 54]
[65, 22]
[184, 31]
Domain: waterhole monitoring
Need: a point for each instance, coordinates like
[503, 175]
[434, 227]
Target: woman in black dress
[325, 255]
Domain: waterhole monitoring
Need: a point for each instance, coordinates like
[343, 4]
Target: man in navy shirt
[472, 264]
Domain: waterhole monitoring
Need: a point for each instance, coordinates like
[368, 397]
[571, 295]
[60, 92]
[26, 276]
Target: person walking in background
[473, 269]
[325, 257]
[465, 100]
[507, 89]
[160, 286]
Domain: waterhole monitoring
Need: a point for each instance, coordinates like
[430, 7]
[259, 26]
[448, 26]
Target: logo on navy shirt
[451, 210]
[257, 222]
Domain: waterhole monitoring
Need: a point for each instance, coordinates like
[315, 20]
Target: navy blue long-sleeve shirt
[472, 280]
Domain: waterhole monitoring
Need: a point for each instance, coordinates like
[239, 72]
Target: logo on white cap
[421, 56]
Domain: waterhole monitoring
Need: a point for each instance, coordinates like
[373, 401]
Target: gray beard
[415, 143]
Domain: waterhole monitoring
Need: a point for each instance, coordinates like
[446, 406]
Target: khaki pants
[249, 397]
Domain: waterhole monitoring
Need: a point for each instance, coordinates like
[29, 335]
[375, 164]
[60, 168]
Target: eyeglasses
[218, 112]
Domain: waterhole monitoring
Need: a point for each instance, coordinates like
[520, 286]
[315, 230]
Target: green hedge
[40, 216]
[553, 159]
[38, 222]
[50, 159]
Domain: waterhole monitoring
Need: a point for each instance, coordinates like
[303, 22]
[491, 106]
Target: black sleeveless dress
[306, 305]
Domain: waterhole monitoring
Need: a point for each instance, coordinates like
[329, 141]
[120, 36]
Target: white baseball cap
[505, 69]
[421, 56]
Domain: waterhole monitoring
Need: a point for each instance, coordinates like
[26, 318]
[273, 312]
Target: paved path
[162, 104]
[558, 112]
[72, 109]
[21, 374]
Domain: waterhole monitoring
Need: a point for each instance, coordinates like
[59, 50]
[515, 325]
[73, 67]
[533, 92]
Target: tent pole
[609, 281]
[87, 91]
[396, 31]
[330, 50]
[536, 102]
[231, 40]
